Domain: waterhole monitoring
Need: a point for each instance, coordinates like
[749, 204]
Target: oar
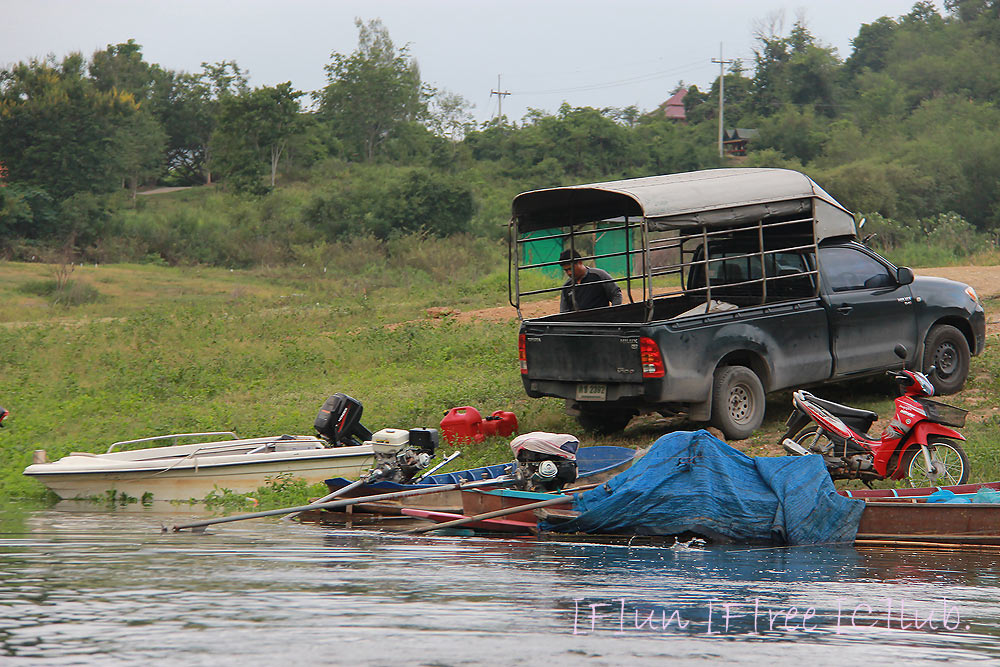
[493, 515]
[448, 460]
[499, 481]
[330, 496]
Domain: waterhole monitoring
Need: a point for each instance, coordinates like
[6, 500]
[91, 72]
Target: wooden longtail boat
[505, 525]
[480, 501]
[936, 523]
[884, 495]
[904, 515]
[595, 464]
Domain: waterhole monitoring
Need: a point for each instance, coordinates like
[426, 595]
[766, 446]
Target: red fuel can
[462, 424]
[465, 424]
[500, 423]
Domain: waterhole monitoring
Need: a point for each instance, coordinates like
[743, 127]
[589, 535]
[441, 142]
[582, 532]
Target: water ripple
[110, 588]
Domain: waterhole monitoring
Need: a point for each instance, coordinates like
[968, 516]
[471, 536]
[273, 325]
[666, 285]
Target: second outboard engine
[545, 461]
[399, 454]
[339, 421]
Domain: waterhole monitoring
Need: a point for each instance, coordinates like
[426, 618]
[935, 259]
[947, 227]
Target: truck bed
[602, 346]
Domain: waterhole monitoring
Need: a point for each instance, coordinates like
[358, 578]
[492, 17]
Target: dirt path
[164, 190]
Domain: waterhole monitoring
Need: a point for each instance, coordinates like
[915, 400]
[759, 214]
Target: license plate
[591, 392]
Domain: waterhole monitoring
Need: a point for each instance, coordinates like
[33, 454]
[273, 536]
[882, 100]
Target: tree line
[903, 130]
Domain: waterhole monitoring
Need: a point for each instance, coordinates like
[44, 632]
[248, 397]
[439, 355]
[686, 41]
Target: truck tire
[737, 402]
[946, 349]
[604, 422]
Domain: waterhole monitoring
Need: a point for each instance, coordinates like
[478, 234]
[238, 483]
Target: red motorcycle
[3, 415]
[917, 444]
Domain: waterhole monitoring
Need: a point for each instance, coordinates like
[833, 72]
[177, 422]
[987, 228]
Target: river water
[110, 588]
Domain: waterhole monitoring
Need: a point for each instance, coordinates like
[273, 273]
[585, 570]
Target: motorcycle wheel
[944, 453]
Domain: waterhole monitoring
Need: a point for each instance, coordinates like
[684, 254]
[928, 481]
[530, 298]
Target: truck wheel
[604, 421]
[737, 401]
[947, 350]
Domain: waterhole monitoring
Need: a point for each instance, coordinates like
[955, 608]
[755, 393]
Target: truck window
[854, 270]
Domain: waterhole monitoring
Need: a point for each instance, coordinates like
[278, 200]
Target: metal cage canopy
[710, 198]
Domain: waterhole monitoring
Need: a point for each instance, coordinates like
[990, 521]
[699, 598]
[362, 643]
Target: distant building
[674, 107]
[734, 140]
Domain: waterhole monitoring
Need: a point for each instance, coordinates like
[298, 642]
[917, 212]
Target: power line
[612, 84]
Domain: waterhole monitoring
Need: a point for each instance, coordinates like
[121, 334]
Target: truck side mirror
[904, 275]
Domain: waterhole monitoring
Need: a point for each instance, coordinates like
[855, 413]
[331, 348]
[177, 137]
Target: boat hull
[938, 523]
[85, 476]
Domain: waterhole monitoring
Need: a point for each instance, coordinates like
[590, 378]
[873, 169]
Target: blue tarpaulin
[694, 482]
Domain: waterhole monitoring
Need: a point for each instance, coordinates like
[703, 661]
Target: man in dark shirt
[589, 291]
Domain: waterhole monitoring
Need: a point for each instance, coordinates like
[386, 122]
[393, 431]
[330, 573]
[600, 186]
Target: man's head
[572, 265]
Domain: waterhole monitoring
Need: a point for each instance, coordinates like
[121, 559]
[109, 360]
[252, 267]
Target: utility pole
[500, 95]
[722, 89]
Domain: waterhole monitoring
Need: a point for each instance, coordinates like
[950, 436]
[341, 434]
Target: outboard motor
[399, 454]
[545, 461]
[339, 421]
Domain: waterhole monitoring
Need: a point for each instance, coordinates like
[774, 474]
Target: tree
[795, 132]
[187, 105]
[372, 91]
[794, 70]
[57, 129]
[450, 115]
[183, 105]
[872, 46]
[121, 67]
[139, 143]
[253, 130]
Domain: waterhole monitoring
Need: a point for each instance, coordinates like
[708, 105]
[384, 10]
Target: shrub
[70, 293]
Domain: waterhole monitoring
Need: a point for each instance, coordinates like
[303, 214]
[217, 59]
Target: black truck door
[869, 311]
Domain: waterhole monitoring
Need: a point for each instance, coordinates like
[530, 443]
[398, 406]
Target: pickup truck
[749, 281]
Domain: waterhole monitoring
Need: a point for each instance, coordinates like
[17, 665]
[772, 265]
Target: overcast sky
[587, 53]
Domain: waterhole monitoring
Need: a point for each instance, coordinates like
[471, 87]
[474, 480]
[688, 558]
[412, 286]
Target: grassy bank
[156, 349]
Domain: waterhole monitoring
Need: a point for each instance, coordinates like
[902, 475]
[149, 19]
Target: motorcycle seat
[854, 416]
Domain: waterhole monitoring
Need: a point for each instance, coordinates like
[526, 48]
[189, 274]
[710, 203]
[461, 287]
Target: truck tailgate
[583, 354]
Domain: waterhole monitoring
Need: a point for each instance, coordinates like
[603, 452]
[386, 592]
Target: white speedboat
[183, 472]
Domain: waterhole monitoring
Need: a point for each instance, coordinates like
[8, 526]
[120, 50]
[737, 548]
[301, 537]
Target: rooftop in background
[673, 108]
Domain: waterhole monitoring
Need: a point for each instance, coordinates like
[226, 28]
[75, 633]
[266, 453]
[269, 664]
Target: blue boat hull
[590, 461]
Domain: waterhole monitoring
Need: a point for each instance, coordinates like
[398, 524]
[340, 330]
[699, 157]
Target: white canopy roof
[712, 197]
